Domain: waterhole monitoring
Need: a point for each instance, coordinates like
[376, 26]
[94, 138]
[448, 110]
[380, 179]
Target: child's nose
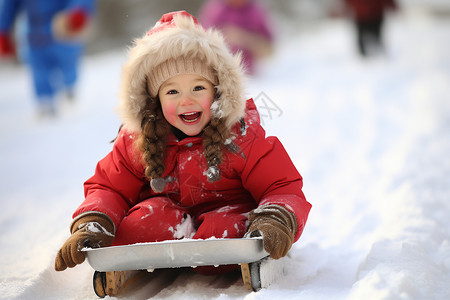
[186, 101]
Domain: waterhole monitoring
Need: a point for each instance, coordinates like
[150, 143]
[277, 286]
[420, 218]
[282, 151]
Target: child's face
[186, 102]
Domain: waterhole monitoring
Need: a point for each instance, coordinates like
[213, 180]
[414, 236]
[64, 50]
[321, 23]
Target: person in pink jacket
[191, 159]
[245, 25]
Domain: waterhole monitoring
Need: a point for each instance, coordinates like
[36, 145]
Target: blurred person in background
[245, 25]
[53, 44]
[368, 16]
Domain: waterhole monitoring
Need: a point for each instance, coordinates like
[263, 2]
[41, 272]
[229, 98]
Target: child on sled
[191, 159]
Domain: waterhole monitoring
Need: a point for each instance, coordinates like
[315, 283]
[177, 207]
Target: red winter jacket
[369, 10]
[261, 174]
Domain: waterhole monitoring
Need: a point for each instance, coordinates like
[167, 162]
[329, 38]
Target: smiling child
[191, 159]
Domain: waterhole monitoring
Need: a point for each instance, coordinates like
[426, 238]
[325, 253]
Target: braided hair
[152, 140]
[152, 143]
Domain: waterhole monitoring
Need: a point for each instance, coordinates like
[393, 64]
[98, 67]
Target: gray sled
[247, 252]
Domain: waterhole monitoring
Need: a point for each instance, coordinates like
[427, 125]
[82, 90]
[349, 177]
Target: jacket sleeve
[271, 177]
[8, 12]
[117, 181]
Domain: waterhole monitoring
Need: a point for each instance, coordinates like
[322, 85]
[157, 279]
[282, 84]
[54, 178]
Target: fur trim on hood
[178, 35]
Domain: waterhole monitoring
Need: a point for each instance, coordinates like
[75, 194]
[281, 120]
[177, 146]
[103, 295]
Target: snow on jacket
[261, 173]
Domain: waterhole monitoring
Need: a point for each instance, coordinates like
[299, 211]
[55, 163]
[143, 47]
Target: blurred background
[117, 22]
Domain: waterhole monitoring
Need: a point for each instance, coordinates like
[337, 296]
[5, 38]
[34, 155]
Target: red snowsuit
[262, 173]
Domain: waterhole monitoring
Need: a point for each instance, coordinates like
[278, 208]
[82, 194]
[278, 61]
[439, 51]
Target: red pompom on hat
[167, 21]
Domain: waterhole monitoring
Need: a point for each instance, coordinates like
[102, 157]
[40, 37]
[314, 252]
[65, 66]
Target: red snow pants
[159, 219]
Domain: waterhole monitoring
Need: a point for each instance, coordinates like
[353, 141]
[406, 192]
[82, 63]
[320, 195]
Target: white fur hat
[178, 35]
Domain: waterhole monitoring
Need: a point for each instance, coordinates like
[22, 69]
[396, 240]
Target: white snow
[186, 229]
[96, 227]
[371, 139]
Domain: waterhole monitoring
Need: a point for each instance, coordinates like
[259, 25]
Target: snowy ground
[371, 139]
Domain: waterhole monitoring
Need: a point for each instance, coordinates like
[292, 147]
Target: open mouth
[191, 116]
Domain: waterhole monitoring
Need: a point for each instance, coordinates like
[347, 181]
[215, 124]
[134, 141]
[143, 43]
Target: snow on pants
[159, 219]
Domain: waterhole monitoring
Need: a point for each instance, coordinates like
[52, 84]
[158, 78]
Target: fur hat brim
[184, 38]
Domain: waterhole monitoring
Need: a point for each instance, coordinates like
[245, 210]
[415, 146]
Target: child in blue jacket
[53, 50]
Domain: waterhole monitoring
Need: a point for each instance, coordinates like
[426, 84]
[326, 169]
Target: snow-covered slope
[371, 139]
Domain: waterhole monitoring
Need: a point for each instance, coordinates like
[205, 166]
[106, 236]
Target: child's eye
[199, 88]
[172, 92]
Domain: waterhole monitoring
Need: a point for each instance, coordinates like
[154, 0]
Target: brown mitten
[276, 225]
[92, 230]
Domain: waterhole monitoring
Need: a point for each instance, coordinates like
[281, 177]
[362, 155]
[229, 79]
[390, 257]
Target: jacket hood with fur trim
[178, 35]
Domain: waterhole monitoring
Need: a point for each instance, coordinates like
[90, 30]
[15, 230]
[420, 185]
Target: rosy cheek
[207, 113]
[206, 106]
[170, 112]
